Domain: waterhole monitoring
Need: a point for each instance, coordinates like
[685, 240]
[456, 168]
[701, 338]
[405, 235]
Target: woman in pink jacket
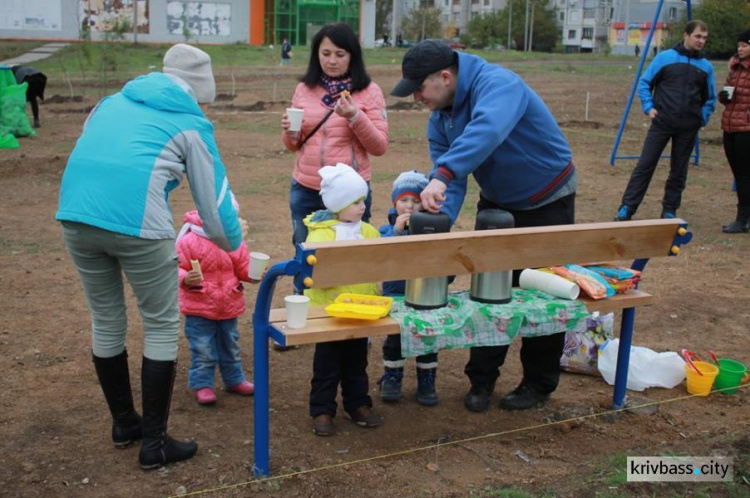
[211, 298]
[344, 121]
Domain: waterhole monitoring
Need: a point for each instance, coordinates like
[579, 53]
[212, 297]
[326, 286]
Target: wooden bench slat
[323, 328]
[455, 253]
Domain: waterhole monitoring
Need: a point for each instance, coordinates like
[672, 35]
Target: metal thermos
[492, 287]
[432, 292]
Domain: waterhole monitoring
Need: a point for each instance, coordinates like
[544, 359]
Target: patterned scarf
[334, 87]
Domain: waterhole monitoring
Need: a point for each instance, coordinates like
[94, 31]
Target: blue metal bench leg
[261, 423]
[623, 358]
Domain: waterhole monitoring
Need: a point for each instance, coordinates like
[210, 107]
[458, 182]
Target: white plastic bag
[647, 368]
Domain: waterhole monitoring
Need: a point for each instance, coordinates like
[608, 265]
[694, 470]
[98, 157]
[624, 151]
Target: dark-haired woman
[344, 120]
[736, 125]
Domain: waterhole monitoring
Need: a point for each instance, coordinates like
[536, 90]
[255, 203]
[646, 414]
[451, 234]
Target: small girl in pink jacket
[211, 298]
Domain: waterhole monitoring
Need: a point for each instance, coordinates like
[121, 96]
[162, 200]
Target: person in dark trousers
[37, 82]
[637, 50]
[406, 200]
[735, 122]
[677, 94]
[286, 53]
[487, 122]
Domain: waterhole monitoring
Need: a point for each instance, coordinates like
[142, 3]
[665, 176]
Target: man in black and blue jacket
[486, 122]
[677, 94]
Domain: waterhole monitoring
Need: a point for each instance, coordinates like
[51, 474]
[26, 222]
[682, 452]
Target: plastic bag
[647, 368]
[580, 354]
[13, 111]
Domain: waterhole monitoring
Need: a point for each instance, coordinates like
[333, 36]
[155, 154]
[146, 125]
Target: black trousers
[737, 149]
[339, 362]
[392, 351]
[37, 84]
[657, 137]
[540, 356]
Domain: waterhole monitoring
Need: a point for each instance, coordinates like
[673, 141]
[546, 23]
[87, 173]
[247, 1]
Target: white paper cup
[258, 263]
[729, 90]
[296, 311]
[295, 118]
[549, 283]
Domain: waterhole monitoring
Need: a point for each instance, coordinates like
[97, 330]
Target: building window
[562, 16]
[571, 34]
[486, 3]
[673, 13]
[589, 13]
[588, 34]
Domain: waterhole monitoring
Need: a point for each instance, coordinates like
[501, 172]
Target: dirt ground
[54, 425]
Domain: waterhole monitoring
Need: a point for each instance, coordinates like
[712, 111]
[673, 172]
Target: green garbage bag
[13, 118]
[8, 141]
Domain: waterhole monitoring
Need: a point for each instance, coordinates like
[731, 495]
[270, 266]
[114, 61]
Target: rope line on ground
[443, 444]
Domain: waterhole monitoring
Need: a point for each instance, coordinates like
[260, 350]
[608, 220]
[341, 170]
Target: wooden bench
[402, 258]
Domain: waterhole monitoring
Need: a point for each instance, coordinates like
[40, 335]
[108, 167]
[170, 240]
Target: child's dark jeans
[213, 342]
[339, 362]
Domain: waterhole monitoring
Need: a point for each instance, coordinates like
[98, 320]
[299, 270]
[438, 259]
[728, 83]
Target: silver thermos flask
[492, 287]
[431, 292]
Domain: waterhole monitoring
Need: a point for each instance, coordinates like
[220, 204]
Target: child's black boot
[426, 393]
[390, 384]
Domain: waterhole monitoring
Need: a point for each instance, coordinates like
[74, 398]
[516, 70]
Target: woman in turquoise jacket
[136, 147]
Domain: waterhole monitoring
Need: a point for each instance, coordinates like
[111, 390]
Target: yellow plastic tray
[360, 306]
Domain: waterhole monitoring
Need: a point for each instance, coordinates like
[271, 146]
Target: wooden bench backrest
[456, 253]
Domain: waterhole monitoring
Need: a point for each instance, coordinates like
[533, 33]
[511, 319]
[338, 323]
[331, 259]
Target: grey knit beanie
[192, 65]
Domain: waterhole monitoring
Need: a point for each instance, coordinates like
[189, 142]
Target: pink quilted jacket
[338, 140]
[220, 295]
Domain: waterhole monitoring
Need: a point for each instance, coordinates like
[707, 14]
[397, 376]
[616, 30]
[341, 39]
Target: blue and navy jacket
[679, 84]
[135, 149]
[500, 131]
[393, 287]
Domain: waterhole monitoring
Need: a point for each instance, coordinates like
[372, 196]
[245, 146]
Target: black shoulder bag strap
[317, 127]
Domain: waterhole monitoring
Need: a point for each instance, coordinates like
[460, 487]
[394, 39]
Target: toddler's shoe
[246, 388]
[365, 417]
[205, 396]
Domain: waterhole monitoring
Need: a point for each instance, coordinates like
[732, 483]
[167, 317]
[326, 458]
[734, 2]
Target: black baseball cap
[420, 61]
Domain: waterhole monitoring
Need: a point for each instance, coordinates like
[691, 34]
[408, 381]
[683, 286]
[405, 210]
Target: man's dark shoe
[668, 215]
[323, 425]
[280, 348]
[523, 398]
[478, 399]
[365, 417]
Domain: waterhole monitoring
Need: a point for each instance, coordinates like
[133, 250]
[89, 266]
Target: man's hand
[433, 196]
[652, 113]
[193, 277]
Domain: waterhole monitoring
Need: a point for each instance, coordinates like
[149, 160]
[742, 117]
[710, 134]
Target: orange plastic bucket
[700, 385]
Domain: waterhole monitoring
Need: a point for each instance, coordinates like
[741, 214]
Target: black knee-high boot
[114, 377]
[158, 448]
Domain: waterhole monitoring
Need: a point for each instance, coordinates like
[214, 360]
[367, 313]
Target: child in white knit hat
[340, 362]
[405, 197]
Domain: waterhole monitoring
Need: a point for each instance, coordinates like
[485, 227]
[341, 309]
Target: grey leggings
[101, 257]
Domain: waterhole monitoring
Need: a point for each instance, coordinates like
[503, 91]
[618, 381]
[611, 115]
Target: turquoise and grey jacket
[135, 149]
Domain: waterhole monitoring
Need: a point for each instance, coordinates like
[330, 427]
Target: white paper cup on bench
[295, 118]
[258, 264]
[296, 311]
[549, 283]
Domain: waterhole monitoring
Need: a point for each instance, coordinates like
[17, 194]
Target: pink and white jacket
[220, 295]
[339, 140]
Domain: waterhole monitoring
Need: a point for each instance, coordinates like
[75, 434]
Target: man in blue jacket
[488, 123]
[677, 94]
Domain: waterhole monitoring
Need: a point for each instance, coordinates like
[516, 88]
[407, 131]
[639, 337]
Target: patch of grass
[492, 492]
[10, 49]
